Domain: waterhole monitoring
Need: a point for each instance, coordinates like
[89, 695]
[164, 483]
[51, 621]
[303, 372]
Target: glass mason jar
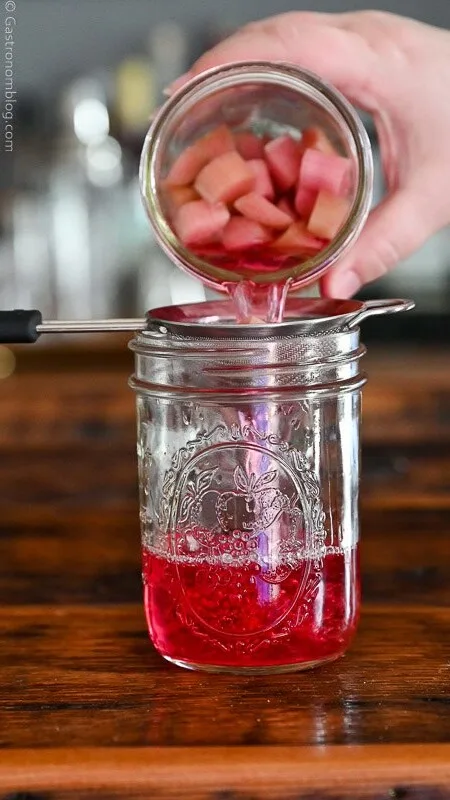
[266, 101]
[248, 446]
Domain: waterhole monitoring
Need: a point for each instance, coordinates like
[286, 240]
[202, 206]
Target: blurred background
[74, 240]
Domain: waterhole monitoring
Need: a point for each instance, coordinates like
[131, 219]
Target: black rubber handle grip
[19, 327]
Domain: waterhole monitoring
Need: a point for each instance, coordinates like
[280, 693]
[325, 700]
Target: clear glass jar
[267, 100]
[248, 446]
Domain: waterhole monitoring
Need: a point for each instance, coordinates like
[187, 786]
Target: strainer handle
[375, 307]
[22, 326]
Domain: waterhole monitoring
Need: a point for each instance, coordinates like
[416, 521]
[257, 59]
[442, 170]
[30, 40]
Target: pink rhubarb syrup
[245, 614]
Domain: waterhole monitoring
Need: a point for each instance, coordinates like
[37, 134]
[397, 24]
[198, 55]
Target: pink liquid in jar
[231, 612]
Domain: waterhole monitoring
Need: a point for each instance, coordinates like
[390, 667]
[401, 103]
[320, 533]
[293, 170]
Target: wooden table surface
[87, 707]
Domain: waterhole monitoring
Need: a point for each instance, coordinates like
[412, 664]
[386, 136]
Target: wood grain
[66, 665]
[87, 707]
[288, 773]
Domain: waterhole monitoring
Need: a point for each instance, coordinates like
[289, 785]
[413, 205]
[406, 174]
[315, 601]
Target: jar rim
[225, 76]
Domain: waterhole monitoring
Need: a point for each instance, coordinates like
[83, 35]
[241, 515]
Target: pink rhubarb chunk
[186, 167]
[328, 215]
[283, 156]
[243, 234]
[304, 201]
[200, 222]
[217, 142]
[248, 145]
[178, 196]
[323, 172]
[315, 137]
[263, 211]
[263, 184]
[225, 179]
[297, 239]
[189, 163]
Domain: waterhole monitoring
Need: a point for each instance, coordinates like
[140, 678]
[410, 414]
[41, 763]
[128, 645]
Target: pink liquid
[215, 614]
[251, 262]
[262, 302]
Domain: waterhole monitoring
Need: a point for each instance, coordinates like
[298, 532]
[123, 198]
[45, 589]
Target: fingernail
[175, 85]
[346, 284]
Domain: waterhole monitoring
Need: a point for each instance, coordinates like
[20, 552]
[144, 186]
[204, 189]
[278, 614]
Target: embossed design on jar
[242, 515]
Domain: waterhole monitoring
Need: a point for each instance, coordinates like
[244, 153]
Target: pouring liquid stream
[258, 303]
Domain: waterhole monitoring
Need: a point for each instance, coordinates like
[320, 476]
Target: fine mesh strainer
[303, 317]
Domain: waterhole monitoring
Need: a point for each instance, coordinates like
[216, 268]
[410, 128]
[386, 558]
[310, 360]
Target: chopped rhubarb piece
[261, 210]
[186, 167]
[297, 240]
[243, 234]
[328, 215]
[225, 179]
[317, 138]
[263, 184]
[283, 156]
[178, 196]
[248, 145]
[200, 223]
[284, 205]
[304, 201]
[217, 142]
[323, 172]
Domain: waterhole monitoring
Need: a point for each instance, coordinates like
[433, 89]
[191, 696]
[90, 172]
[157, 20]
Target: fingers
[358, 53]
[394, 230]
[307, 39]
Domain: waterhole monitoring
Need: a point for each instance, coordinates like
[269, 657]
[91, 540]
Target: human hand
[398, 70]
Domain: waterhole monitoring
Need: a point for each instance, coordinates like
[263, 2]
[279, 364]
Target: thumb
[394, 230]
